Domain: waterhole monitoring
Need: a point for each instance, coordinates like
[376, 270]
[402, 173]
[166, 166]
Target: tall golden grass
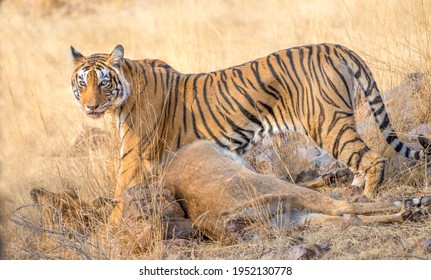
[40, 119]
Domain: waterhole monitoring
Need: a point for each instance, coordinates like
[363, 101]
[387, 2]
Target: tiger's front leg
[133, 172]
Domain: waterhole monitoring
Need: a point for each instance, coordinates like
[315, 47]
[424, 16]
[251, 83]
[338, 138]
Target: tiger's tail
[369, 87]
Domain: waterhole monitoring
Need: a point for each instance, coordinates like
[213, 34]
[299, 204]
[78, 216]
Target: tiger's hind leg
[348, 148]
[369, 166]
[374, 173]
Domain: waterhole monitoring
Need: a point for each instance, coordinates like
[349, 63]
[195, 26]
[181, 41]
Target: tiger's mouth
[95, 115]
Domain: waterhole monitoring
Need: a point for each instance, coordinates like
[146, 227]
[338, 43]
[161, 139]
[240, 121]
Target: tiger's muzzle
[92, 112]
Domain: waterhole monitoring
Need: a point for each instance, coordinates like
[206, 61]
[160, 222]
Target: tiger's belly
[255, 134]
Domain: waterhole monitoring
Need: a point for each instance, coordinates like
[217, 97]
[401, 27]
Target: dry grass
[40, 119]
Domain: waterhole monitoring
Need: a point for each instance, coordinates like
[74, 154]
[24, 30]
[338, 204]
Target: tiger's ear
[116, 56]
[76, 56]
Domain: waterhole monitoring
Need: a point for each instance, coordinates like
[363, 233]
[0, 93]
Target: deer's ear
[76, 56]
[116, 56]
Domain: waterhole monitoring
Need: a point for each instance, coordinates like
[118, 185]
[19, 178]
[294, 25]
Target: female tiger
[308, 89]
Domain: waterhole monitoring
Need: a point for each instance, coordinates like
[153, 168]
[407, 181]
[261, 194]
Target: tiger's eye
[82, 84]
[104, 83]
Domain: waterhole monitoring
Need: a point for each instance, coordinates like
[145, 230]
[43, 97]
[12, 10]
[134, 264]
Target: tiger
[306, 89]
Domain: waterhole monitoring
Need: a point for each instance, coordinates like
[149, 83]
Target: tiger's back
[308, 89]
[287, 90]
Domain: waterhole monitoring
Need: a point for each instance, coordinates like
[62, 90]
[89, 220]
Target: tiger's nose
[91, 108]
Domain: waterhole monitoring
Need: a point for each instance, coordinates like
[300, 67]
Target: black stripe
[128, 152]
[271, 112]
[124, 136]
[124, 171]
[391, 138]
[369, 91]
[195, 129]
[249, 115]
[204, 122]
[348, 104]
[270, 129]
[407, 152]
[385, 123]
[244, 93]
[239, 130]
[274, 73]
[307, 96]
[207, 103]
[289, 90]
[176, 91]
[255, 69]
[179, 138]
[195, 98]
[354, 57]
[130, 112]
[155, 80]
[399, 147]
[360, 154]
[237, 72]
[145, 77]
[251, 84]
[233, 140]
[128, 65]
[335, 150]
[222, 92]
[356, 139]
[376, 100]
[292, 65]
[282, 117]
[379, 111]
[185, 103]
[337, 116]
[284, 83]
[244, 111]
[321, 120]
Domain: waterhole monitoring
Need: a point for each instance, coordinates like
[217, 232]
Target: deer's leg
[304, 198]
[298, 218]
[301, 218]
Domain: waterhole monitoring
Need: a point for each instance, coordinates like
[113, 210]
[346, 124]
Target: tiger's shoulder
[156, 63]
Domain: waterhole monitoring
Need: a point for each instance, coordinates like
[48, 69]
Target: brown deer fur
[221, 196]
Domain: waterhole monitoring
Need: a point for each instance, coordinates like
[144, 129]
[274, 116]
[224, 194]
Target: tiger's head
[98, 81]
